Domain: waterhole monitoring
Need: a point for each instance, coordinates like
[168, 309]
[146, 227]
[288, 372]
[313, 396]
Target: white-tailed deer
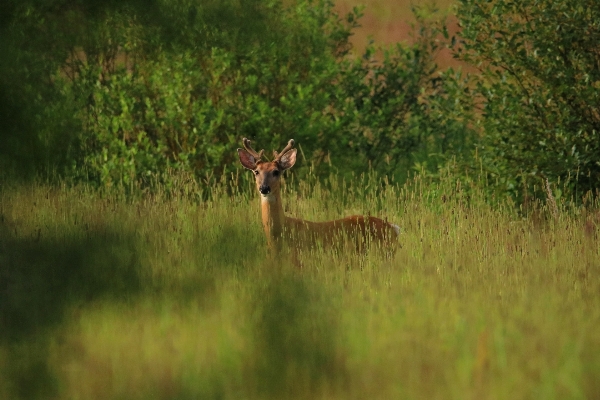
[360, 230]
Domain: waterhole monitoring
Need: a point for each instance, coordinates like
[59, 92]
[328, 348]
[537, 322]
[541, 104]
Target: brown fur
[357, 230]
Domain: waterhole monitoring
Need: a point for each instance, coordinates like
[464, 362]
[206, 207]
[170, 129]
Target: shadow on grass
[232, 246]
[39, 278]
[296, 340]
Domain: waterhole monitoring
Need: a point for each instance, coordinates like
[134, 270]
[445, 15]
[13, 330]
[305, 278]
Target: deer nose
[264, 189]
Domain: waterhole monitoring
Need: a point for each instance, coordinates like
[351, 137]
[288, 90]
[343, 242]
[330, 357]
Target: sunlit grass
[165, 296]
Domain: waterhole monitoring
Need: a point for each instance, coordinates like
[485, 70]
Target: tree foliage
[127, 90]
[539, 89]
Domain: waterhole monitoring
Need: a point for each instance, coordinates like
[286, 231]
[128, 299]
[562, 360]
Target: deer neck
[273, 218]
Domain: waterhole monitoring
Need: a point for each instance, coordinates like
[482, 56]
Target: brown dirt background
[390, 21]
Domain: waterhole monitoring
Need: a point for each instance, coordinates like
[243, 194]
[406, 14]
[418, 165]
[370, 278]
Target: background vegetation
[538, 90]
[118, 93]
[136, 89]
[132, 261]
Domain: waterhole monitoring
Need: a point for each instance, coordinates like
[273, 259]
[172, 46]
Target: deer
[279, 229]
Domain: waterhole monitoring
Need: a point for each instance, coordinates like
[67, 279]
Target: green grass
[173, 297]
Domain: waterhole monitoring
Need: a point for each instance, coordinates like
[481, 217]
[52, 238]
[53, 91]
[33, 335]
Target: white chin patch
[269, 198]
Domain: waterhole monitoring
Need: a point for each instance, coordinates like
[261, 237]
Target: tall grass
[164, 296]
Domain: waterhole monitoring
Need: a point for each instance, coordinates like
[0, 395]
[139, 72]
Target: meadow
[172, 295]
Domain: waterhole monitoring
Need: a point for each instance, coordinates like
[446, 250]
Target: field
[389, 22]
[174, 296]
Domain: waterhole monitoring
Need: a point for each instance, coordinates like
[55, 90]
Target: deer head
[267, 173]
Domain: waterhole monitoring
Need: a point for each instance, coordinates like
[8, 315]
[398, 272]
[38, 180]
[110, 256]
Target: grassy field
[174, 297]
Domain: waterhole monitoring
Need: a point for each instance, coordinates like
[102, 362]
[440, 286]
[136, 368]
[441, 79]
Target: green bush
[177, 84]
[539, 89]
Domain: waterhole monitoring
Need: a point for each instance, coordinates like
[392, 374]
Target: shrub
[538, 88]
[137, 91]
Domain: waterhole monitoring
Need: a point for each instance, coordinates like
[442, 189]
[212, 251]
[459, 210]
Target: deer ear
[247, 159]
[287, 160]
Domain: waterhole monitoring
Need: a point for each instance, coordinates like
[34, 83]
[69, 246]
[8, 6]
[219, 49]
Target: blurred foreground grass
[172, 297]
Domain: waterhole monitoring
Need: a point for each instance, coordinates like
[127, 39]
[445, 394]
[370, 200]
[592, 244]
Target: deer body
[279, 228]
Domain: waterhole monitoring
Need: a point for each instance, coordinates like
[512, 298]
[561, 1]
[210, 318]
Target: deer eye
[276, 173]
[256, 172]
